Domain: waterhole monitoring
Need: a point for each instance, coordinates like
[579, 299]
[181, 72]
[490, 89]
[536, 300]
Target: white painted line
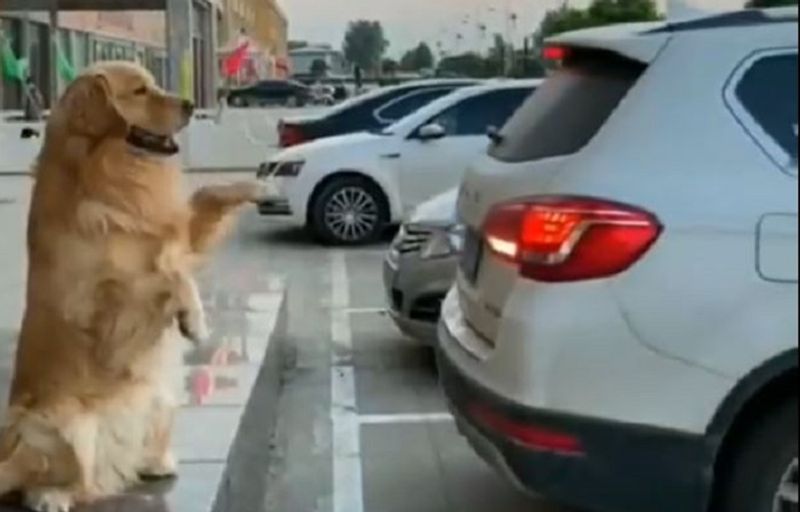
[405, 419]
[348, 479]
[366, 311]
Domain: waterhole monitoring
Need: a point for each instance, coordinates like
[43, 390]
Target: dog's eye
[141, 91]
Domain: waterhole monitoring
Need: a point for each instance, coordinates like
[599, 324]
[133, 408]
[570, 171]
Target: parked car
[347, 189]
[271, 92]
[623, 333]
[421, 264]
[372, 111]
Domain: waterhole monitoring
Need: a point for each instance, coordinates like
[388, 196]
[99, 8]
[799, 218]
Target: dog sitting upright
[112, 248]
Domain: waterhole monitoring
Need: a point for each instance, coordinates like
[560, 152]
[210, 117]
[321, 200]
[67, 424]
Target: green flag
[65, 67]
[12, 67]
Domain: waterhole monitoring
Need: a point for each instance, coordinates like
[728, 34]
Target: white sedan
[347, 189]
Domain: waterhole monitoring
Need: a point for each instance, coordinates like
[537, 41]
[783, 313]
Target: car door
[763, 97]
[430, 166]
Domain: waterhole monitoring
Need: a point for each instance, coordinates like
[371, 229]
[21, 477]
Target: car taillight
[291, 135]
[556, 53]
[561, 239]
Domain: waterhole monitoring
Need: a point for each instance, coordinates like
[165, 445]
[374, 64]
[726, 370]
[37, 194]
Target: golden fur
[112, 247]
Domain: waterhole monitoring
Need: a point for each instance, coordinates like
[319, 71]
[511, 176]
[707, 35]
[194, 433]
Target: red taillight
[291, 135]
[555, 53]
[559, 239]
[528, 435]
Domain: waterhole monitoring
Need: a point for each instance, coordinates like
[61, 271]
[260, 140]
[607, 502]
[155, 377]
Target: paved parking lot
[363, 426]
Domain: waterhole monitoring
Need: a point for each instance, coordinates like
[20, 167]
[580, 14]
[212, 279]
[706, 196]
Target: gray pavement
[410, 456]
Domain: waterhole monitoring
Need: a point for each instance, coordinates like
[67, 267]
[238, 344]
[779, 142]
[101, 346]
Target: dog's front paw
[194, 326]
[50, 500]
[163, 467]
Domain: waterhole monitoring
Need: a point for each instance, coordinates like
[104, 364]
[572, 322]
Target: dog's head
[122, 100]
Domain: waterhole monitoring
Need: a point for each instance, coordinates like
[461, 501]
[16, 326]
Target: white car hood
[440, 210]
[354, 143]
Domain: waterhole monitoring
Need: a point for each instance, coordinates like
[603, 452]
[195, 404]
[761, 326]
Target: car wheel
[349, 211]
[763, 476]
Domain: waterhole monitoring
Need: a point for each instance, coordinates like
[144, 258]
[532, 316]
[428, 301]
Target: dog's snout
[188, 107]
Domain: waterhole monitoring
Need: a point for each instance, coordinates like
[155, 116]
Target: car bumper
[619, 468]
[275, 207]
[415, 289]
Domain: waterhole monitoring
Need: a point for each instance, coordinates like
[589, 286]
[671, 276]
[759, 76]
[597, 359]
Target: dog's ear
[89, 108]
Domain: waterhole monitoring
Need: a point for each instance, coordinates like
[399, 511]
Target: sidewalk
[229, 388]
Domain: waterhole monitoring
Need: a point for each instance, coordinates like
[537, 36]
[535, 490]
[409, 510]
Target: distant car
[368, 112]
[421, 264]
[347, 189]
[271, 92]
[623, 336]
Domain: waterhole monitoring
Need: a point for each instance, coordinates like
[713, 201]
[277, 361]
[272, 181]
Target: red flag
[233, 64]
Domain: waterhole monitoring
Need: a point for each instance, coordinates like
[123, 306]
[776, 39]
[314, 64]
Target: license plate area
[472, 256]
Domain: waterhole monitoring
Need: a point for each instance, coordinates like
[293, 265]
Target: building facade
[263, 24]
[87, 37]
[83, 38]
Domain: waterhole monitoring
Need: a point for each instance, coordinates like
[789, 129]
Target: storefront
[28, 40]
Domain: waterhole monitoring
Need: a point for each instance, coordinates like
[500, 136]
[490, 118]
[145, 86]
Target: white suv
[623, 334]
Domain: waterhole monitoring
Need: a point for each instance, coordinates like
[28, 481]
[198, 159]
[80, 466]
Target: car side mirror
[432, 131]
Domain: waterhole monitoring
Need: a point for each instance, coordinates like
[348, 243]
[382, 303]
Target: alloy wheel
[351, 214]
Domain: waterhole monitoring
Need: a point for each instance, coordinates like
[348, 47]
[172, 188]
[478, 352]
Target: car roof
[644, 41]
[435, 107]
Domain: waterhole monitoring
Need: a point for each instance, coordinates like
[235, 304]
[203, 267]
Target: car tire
[764, 463]
[349, 211]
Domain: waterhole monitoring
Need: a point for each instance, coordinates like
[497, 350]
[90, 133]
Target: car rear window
[569, 109]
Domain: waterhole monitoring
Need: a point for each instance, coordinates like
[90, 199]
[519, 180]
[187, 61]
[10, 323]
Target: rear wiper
[495, 136]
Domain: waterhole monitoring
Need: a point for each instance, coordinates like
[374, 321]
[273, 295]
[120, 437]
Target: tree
[319, 68]
[599, 13]
[365, 44]
[418, 58]
[763, 4]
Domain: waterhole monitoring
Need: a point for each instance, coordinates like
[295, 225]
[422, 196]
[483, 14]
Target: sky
[407, 22]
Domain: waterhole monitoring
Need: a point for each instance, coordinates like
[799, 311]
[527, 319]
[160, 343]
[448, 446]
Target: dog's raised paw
[193, 326]
[50, 500]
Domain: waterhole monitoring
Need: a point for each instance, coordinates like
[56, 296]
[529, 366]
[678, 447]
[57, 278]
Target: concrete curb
[243, 485]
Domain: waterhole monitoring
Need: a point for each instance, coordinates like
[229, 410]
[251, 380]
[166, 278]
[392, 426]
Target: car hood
[440, 210]
[354, 143]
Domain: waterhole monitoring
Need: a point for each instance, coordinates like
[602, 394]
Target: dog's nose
[188, 107]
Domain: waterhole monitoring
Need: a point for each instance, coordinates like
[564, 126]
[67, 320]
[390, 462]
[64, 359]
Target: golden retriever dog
[112, 248]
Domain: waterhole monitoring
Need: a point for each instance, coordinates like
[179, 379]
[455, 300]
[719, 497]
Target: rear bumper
[620, 467]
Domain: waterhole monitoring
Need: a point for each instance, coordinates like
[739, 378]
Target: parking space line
[347, 468]
[366, 311]
[404, 419]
